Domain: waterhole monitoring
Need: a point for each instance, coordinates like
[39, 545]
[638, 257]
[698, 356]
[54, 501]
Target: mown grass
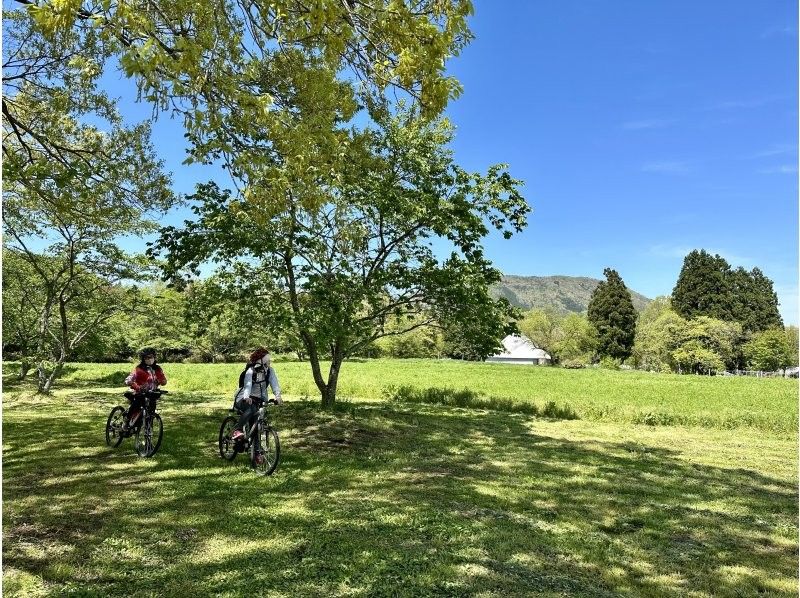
[390, 498]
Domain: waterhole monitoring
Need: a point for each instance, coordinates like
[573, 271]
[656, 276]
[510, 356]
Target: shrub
[610, 363]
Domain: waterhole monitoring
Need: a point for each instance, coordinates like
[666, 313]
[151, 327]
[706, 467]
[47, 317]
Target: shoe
[237, 435]
[259, 459]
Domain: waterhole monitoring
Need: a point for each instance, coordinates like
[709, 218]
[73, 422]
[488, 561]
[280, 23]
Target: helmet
[147, 352]
[258, 354]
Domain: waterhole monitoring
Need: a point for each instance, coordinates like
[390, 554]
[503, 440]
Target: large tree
[21, 310]
[612, 314]
[49, 85]
[707, 286]
[232, 69]
[708, 345]
[704, 287]
[338, 262]
[659, 332]
[755, 303]
[769, 350]
[580, 339]
[543, 328]
[74, 178]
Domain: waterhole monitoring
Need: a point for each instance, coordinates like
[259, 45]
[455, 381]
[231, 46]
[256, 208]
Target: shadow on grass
[404, 499]
[11, 380]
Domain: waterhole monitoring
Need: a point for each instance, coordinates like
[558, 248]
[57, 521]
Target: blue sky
[642, 130]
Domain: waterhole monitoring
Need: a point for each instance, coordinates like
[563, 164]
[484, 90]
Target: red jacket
[144, 378]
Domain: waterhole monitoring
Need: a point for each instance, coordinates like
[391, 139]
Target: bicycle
[146, 426]
[260, 440]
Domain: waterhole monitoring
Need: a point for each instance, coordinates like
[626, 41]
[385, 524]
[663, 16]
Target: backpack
[241, 380]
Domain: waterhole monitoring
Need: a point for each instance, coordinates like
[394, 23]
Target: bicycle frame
[148, 409]
[253, 428]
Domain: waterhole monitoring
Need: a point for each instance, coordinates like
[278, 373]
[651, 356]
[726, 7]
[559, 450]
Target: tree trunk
[52, 377]
[24, 368]
[45, 382]
[329, 392]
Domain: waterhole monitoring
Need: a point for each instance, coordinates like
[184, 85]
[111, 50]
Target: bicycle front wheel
[114, 424]
[149, 435]
[265, 452]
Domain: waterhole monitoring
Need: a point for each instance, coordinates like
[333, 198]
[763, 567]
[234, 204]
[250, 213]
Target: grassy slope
[400, 499]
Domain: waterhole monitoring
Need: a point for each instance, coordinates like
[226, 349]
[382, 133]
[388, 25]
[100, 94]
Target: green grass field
[406, 498]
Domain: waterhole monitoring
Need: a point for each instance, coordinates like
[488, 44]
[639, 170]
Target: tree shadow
[377, 500]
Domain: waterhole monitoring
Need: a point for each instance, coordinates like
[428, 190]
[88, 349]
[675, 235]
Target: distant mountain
[562, 293]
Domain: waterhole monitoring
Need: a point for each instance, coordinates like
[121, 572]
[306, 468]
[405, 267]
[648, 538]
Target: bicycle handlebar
[158, 392]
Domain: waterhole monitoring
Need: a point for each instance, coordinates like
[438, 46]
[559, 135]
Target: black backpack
[241, 380]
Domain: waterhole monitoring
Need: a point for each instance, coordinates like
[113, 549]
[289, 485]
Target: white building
[520, 349]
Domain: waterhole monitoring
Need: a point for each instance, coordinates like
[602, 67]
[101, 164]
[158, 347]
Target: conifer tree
[755, 301]
[708, 287]
[704, 287]
[612, 313]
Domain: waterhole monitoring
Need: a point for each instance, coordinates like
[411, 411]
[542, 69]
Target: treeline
[198, 322]
[717, 318]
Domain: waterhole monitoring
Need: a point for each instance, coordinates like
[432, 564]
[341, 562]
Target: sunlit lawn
[405, 499]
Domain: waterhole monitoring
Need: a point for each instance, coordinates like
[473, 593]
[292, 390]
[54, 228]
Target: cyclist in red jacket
[146, 376]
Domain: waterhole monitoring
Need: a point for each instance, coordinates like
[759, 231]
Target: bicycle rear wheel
[149, 435]
[227, 448]
[265, 452]
[114, 424]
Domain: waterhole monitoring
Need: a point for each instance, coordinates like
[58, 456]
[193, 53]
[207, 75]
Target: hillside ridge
[563, 294]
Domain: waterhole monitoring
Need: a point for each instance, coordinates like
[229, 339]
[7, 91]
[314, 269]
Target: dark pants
[248, 412]
[137, 405]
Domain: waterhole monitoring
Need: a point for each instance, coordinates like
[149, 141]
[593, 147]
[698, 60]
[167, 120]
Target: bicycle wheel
[265, 452]
[148, 436]
[114, 426]
[227, 449]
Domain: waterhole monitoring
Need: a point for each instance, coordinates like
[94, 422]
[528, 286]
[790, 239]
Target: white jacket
[257, 388]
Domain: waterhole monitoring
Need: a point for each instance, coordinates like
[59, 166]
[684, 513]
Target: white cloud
[755, 102]
[779, 30]
[666, 166]
[782, 169]
[651, 123]
[775, 150]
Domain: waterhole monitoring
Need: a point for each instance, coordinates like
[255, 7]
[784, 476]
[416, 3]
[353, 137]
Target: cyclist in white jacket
[253, 392]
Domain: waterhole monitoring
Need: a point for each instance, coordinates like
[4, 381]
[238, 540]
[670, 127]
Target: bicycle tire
[114, 423]
[267, 445]
[157, 418]
[145, 445]
[227, 447]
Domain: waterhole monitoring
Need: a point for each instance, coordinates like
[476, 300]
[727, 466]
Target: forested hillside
[564, 294]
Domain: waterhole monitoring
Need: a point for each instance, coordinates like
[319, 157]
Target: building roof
[520, 347]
